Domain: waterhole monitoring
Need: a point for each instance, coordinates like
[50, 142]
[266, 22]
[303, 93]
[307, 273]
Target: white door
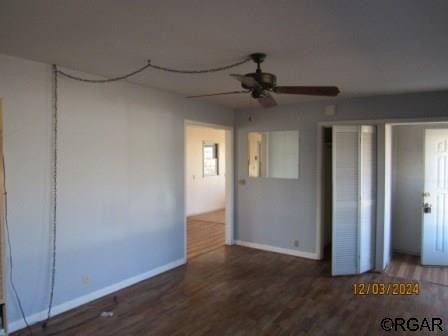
[435, 209]
[354, 199]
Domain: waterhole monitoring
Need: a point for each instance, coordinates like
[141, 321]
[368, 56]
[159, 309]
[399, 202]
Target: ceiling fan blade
[266, 100]
[330, 91]
[217, 94]
[247, 81]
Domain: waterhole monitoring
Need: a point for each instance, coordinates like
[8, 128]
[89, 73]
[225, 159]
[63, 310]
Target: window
[210, 153]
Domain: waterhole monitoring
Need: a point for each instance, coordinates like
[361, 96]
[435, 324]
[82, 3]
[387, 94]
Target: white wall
[204, 193]
[121, 182]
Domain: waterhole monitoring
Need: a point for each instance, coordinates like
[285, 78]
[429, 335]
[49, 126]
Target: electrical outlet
[295, 243]
[85, 280]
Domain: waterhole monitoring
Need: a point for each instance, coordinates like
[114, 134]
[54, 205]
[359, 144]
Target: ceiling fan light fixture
[260, 84]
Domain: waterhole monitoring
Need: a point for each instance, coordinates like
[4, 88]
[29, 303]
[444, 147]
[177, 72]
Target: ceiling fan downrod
[258, 58]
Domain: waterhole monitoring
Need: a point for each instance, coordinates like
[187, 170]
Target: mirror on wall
[274, 154]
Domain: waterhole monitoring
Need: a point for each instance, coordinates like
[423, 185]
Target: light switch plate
[330, 110]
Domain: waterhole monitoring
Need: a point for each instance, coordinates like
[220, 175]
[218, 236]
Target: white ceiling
[364, 47]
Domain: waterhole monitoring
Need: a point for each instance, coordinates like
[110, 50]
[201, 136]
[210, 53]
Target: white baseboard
[270, 248]
[63, 307]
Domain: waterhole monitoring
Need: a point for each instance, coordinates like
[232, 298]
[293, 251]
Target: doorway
[208, 188]
[420, 202]
[327, 190]
[347, 197]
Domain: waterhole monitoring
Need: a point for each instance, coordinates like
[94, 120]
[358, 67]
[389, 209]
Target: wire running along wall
[56, 72]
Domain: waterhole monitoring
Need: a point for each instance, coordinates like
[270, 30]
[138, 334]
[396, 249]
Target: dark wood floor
[205, 232]
[239, 291]
[409, 267]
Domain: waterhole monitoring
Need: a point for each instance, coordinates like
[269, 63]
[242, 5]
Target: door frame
[383, 248]
[229, 179]
[3, 296]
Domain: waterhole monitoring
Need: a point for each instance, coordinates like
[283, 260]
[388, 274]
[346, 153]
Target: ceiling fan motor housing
[265, 79]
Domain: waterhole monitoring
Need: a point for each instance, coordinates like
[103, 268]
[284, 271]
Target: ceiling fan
[260, 85]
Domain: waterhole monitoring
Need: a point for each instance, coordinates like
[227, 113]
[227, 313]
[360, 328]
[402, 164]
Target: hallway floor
[409, 267]
[205, 232]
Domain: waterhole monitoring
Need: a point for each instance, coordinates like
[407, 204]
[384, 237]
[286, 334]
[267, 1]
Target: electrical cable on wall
[11, 264]
[54, 190]
[54, 167]
[54, 154]
[157, 67]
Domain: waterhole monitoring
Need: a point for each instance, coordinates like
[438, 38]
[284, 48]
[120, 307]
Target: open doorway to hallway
[419, 211]
[327, 190]
[205, 175]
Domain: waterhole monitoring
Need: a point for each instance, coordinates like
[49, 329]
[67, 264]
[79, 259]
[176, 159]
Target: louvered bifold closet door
[346, 189]
[368, 159]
